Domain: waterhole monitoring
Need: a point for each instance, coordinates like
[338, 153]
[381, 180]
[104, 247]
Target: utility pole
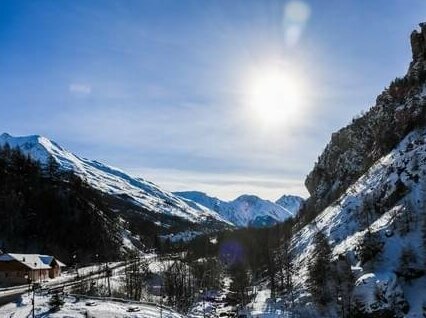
[27, 277]
[74, 257]
[204, 304]
[108, 274]
[98, 269]
[33, 302]
[161, 300]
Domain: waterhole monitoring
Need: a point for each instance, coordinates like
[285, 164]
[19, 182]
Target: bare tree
[136, 271]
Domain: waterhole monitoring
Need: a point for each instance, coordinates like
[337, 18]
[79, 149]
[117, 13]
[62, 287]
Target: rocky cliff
[368, 204]
[399, 109]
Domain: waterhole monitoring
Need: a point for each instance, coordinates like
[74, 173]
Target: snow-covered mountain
[112, 180]
[247, 210]
[368, 199]
[292, 203]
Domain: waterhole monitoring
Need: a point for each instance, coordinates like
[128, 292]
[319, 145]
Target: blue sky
[158, 88]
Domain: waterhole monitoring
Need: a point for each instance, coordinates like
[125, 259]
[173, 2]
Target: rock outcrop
[418, 43]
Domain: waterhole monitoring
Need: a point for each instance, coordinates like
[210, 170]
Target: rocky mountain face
[248, 210]
[368, 199]
[352, 150]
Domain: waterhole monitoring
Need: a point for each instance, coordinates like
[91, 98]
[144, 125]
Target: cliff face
[352, 150]
[368, 200]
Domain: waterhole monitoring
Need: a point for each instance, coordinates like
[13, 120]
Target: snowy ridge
[110, 180]
[248, 210]
[345, 227]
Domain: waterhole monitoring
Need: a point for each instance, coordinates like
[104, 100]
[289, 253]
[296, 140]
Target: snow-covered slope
[392, 194]
[111, 180]
[248, 210]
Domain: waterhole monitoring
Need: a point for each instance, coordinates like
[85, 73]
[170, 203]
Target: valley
[80, 238]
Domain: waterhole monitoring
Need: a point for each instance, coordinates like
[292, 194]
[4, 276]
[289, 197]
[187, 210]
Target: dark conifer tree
[345, 282]
[320, 271]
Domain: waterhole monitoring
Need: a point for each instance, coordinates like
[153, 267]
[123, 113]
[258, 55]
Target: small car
[133, 309]
[91, 303]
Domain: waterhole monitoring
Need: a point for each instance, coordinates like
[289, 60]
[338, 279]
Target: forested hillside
[45, 209]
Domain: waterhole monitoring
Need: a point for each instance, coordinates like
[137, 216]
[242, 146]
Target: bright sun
[275, 95]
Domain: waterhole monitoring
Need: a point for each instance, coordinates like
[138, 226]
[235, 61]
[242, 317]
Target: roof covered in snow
[32, 261]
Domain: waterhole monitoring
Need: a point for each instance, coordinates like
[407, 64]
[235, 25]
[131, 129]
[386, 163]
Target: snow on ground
[71, 273]
[185, 236]
[212, 303]
[158, 266]
[262, 302]
[263, 306]
[74, 307]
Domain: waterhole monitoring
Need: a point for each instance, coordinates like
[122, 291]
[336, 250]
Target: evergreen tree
[407, 264]
[424, 237]
[288, 270]
[345, 282]
[52, 168]
[240, 283]
[320, 271]
[370, 247]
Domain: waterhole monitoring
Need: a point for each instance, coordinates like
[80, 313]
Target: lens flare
[231, 253]
[296, 15]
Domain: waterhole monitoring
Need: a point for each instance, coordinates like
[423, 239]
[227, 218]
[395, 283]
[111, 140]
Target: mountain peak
[30, 139]
[5, 135]
[247, 197]
[110, 180]
[247, 209]
[198, 193]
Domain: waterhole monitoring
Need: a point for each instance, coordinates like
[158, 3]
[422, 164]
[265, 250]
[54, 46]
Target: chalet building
[16, 268]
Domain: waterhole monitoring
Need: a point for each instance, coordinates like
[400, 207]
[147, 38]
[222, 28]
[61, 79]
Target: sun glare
[275, 95]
